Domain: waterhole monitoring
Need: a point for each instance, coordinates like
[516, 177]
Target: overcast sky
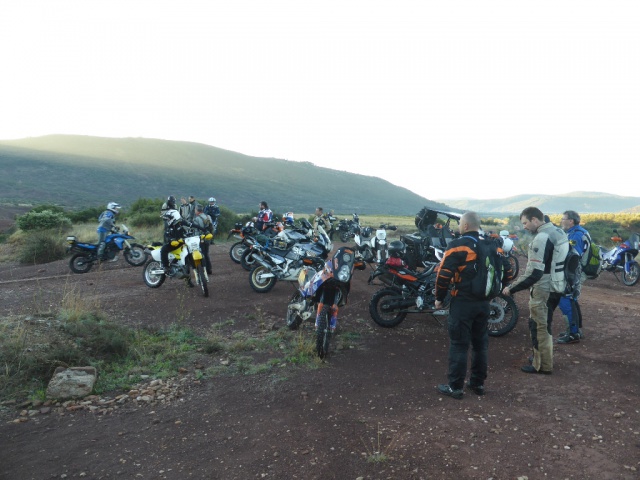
[481, 99]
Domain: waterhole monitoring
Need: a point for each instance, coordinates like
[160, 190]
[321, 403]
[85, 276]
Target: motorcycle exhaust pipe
[400, 304]
[262, 262]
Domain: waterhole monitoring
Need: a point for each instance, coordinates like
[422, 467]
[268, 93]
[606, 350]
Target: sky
[478, 99]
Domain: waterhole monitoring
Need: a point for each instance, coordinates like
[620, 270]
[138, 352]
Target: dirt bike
[86, 254]
[274, 263]
[372, 247]
[407, 291]
[185, 258]
[621, 258]
[282, 238]
[509, 250]
[346, 228]
[240, 232]
[321, 291]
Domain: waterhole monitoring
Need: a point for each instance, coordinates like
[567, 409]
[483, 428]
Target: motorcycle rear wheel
[136, 255]
[235, 252]
[294, 319]
[151, 280]
[204, 286]
[503, 316]
[247, 261]
[259, 284]
[631, 278]
[379, 308]
[344, 236]
[323, 332]
[80, 263]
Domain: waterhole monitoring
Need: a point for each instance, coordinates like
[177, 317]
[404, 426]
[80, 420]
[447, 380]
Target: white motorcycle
[373, 248]
[185, 261]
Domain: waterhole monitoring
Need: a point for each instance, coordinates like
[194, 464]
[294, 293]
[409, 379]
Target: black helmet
[171, 201]
[397, 249]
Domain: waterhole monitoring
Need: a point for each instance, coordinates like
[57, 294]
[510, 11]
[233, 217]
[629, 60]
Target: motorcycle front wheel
[323, 332]
[136, 255]
[294, 319]
[151, 280]
[382, 310]
[515, 265]
[204, 286]
[80, 263]
[236, 250]
[503, 316]
[631, 278]
[247, 261]
[344, 236]
[259, 283]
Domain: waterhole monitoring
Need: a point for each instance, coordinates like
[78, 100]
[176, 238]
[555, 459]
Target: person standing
[202, 222]
[318, 221]
[213, 210]
[468, 315]
[580, 239]
[548, 248]
[106, 223]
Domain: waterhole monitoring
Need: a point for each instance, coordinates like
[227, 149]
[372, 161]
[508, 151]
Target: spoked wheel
[246, 260]
[515, 265]
[386, 308]
[503, 316]
[259, 282]
[293, 315]
[136, 255]
[152, 280]
[344, 236]
[323, 332]
[631, 278]
[201, 280]
[80, 263]
[235, 252]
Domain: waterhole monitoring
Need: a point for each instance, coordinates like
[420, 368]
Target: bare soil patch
[371, 411]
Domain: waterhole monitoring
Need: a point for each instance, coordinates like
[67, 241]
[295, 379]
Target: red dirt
[581, 422]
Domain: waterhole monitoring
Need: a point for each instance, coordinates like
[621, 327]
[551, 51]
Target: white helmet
[212, 200]
[507, 244]
[114, 207]
[171, 216]
[504, 233]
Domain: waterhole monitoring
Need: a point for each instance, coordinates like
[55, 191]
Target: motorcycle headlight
[344, 274]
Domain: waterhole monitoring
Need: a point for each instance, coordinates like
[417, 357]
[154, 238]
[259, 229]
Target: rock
[72, 382]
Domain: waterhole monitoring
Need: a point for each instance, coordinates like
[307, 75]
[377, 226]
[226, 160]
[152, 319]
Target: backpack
[486, 284]
[591, 260]
[572, 268]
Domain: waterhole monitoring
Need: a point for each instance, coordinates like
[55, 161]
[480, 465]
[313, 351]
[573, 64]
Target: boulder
[72, 382]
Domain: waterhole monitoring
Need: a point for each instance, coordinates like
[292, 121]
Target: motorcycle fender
[197, 256]
[155, 254]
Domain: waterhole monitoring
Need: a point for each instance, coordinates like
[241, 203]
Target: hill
[583, 202]
[71, 170]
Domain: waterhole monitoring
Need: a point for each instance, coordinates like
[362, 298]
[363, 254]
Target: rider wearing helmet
[213, 210]
[106, 224]
[174, 231]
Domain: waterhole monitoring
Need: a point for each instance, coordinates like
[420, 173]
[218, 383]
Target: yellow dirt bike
[185, 261]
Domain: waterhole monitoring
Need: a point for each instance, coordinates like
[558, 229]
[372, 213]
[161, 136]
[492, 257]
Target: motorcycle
[240, 232]
[185, 257]
[373, 248]
[509, 250]
[86, 254]
[407, 291]
[281, 261]
[321, 291]
[346, 228]
[431, 238]
[277, 236]
[621, 258]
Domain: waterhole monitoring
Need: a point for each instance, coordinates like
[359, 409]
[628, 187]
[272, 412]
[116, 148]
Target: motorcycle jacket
[213, 211]
[264, 216]
[548, 247]
[106, 222]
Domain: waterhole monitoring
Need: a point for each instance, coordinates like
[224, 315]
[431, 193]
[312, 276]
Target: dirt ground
[374, 401]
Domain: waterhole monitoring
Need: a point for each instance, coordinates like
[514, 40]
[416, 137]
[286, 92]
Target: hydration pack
[592, 260]
[486, 284]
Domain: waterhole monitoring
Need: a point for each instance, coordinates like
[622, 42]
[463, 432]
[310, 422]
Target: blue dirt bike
[621, 258]
[86, 254]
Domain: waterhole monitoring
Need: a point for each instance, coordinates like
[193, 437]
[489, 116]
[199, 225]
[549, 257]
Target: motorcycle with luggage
[622, 258]
[372, 245]
[346, 228]
[85, 255]
[321, 291]
[186, 261]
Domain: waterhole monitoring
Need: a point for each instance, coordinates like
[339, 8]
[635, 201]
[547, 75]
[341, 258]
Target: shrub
[145, 206]
[42, 247]
[50, 208]
[44, 220]
[148, 219]
[87, 215]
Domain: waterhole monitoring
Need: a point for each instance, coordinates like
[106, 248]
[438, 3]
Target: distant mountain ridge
[79, 171]
[582, 202]
[74, 170]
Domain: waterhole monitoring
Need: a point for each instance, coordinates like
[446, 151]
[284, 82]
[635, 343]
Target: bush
[145, 206]
[85, 216]
[42, 247]
[145, 219]
[44, 220]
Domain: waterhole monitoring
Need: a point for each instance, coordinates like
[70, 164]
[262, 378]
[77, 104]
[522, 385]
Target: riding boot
[101, 248]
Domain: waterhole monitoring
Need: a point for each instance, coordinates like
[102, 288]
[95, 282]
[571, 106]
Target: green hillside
[77, 171]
